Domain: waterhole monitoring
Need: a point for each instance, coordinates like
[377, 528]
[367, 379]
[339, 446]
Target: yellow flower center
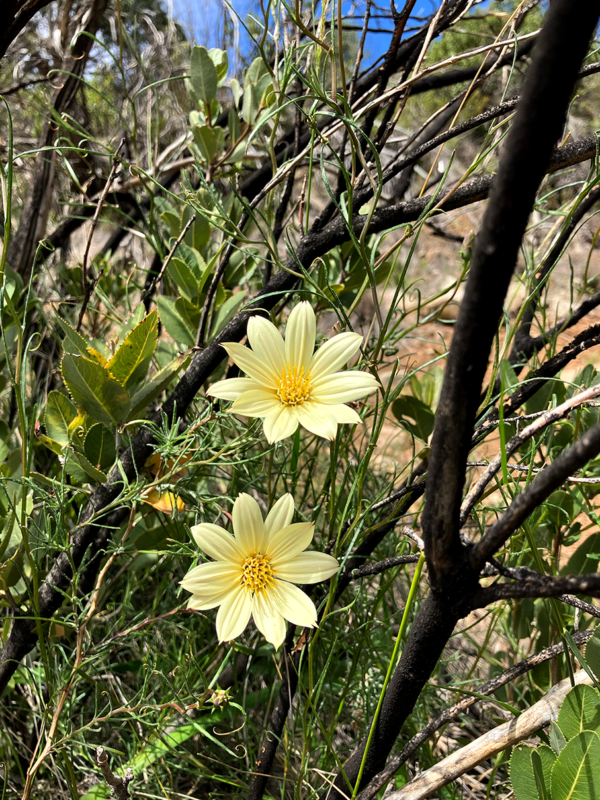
[294, 386]
[257, 573]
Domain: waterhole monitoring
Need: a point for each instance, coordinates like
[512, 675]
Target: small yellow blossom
[289, 384]
[254, 571]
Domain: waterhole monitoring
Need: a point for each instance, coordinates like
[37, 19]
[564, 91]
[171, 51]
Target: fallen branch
[501, 738]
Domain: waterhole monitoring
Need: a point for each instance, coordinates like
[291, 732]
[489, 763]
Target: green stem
[403, 624]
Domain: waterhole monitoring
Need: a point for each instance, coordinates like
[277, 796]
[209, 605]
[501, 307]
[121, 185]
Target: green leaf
[423, 416]
[132, 359]
[522, 776]
[592, 652]
[226, 312]
[99, 446]
[206, 141]
[183, 278]
[543, 760]
[176, 320]
[89, 469]
[575, 775]
[152, 389]
[557, 739]
[51, 444]
[580, 563]
[73, 342]
[58, 415]
[93, 388]
[203, 75]
[221, 62]
[580, 711]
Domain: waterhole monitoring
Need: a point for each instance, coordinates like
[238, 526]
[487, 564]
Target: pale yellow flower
[288, 384]
[254, 571]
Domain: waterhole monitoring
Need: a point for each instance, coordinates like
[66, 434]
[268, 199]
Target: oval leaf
[203, 75]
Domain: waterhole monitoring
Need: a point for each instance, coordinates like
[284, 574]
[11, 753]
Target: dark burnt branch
[23, 637]
[15, 15]
[256, 182]
[537, 126]
[454, 711]
[540, 488]
[527, 154]
[382, 566]
[545, 586]
[23, 85]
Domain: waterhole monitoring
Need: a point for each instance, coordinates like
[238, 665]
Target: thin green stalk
[391, 667]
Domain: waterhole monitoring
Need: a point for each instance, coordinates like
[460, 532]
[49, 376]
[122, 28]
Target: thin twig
[158, 277]
[88, 286]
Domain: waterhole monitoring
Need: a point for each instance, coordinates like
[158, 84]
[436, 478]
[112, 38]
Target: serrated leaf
[90, 470]
[97, 356]
[580, 711]
[99, 446]
[51, 444]
[203, 75]
[73, 342]
[152, 389]
[59, 413]
[92, 387]
[522, 776]
[557, 739]
[575, 775]
[406, 409]
[543, 760]
[132, 359]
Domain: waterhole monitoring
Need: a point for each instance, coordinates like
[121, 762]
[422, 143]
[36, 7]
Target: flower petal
[334, 354]
[293, 604]
[248, 525]
[256, 403]
[345, 415]
[212, 577]
[204, 602]
[251, 364]
[280, 516]
[269, 620]
[318, 419]
[343, 387]
[300, 336]
[280, 424]
[234, 614]
[267, 343]
[308, 568]
[289, 541]
[231, 388]
[217, 543]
